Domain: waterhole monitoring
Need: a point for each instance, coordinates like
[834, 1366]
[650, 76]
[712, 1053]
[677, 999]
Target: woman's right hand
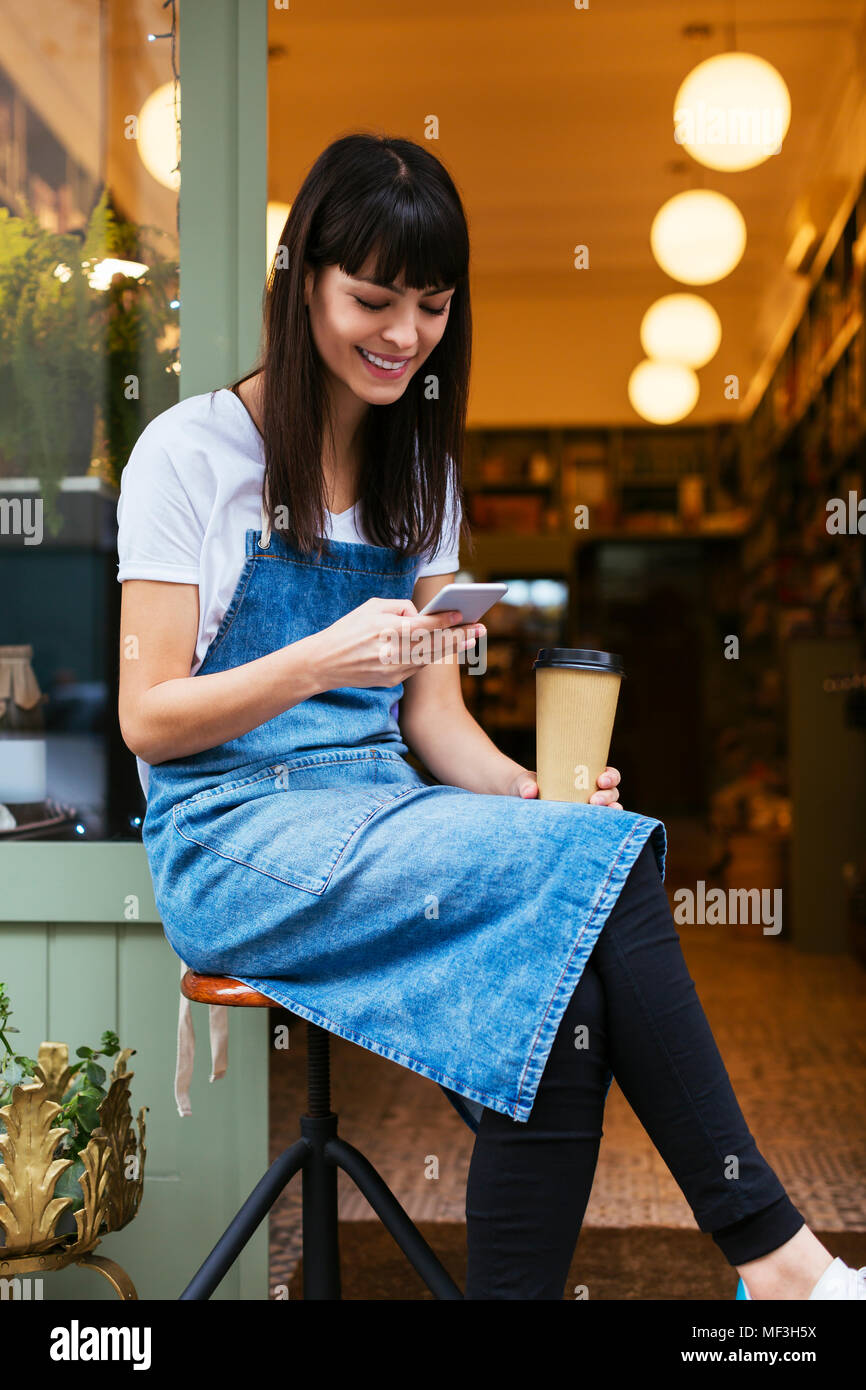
[384, 641]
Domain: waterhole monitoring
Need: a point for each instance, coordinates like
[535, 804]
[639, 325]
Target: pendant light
[698, 236]
[681, 328]
[158, 136]
[663, 392]
[732, 111]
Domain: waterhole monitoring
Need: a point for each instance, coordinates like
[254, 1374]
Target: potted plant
[82, 368]
[71, 1166]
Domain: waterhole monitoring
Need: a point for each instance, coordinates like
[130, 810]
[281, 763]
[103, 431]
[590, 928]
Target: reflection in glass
[89, 354]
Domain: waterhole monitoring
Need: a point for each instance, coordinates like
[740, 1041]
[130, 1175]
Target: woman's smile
[383, 367]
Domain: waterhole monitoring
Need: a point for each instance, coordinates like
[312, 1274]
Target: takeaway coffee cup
[576, 692]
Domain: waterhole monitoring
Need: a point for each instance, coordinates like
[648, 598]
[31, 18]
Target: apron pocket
[294, 835]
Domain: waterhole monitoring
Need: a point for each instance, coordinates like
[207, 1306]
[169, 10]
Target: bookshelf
[762, 483]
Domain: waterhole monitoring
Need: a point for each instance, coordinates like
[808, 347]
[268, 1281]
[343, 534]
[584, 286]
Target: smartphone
[469, 599]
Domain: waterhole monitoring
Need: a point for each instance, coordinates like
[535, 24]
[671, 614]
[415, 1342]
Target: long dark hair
[366, 194]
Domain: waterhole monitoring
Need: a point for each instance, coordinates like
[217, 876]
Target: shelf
[798, 444]
[85, 482]
[817, 383]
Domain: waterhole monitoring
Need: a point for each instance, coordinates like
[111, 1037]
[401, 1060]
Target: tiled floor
[789, 1027]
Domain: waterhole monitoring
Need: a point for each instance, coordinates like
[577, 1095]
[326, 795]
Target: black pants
[635, 1012]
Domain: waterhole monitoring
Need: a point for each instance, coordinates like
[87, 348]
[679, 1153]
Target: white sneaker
[838, 1281]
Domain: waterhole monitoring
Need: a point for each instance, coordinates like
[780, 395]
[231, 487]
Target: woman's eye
[376, 307]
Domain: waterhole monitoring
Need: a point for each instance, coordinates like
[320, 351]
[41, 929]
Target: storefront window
[89, 354]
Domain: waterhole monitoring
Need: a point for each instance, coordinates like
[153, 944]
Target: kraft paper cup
[576, 693]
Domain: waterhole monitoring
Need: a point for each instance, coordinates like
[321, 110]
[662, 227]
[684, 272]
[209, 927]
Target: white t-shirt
[191, 488]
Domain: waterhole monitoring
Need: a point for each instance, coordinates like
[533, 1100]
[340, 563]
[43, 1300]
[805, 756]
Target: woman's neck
[342, 442]
[341, 458]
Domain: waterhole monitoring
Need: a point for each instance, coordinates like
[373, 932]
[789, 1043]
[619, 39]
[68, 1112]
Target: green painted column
[81, 946]
[223, 198]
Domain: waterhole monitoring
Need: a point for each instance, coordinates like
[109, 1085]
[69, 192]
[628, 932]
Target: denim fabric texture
[441, 928]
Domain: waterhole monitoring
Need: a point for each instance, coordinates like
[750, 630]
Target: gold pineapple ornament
[31, 1216]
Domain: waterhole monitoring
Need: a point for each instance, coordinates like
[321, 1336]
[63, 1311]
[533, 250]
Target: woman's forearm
[454, 747]
[177, 718]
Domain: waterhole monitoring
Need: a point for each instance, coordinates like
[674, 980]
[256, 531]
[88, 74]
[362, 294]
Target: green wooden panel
[199, 1169]
[75, 883]
[82, 984]
[24, 970]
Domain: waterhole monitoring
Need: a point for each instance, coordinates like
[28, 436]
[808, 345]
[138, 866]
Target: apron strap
[219, 1043]
[266, 521]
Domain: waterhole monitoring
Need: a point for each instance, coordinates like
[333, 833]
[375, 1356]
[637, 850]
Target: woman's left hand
[526, 785]
[609, 795]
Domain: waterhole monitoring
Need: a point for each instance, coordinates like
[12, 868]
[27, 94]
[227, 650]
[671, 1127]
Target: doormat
[609, 1262]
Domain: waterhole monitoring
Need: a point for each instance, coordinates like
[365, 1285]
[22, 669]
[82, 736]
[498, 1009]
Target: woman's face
[352, 320]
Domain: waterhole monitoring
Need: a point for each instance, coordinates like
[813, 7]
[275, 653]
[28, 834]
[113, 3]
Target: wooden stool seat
[221, 989]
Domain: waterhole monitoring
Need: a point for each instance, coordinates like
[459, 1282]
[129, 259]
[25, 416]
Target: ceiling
[556, 124]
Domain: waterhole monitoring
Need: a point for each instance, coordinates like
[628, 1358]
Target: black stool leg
[251, 1214]
[319, 1200]
[394, 1217]
[318, 1154]
[319, 1208]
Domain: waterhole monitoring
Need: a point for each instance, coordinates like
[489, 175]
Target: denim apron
[442, 928]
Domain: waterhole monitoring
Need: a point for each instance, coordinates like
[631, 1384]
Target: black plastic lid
[580, 658]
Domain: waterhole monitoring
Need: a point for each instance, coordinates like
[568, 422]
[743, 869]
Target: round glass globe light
[732, 111]
[681, 328]
[698, 236]
[157, 136]
[663, 392]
